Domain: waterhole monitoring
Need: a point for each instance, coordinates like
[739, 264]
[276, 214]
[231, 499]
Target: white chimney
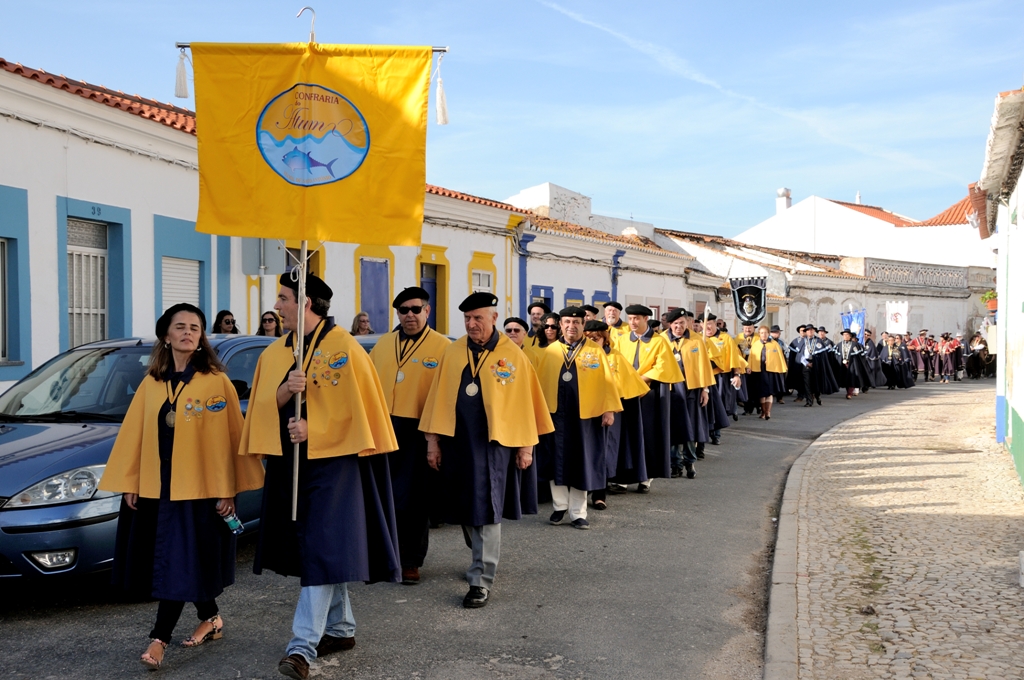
[857, 200]
[783, 200]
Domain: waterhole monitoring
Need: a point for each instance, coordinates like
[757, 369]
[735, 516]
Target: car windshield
[96, 383]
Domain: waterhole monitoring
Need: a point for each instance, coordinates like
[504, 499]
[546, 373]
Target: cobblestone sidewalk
[908, 530]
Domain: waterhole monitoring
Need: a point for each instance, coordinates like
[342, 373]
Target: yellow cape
[513, 400]
[656, 360]
[346, 409]
[627, 380]
[405, 399]
[744, 344]
[597, 390]
[775, 359]
[726, 356]
[693, 355]
[205, 443]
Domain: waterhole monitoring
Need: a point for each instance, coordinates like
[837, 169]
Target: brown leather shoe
[330, 644]
[410, 576]
[294, 666]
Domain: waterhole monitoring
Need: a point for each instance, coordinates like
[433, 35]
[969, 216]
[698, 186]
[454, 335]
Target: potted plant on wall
[990, 300]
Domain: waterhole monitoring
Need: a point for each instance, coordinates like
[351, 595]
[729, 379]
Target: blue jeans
[683, 453]
[320, 610]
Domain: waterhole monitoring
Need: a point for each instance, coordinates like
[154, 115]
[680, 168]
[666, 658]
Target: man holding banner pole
[305, 141]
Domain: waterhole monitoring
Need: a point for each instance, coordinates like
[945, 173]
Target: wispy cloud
[678, 65]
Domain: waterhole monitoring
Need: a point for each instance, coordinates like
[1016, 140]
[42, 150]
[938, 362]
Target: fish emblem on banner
[311, 135]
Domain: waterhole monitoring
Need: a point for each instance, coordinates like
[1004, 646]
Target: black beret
[591, 308]
[775, 329]
[547, 310]
[595, 326]
[477, 301]
[572, 312]
[710, 317]
[516, 319]
[614, 304]
[639, 310]
[821, 329]
[315, 286]
[675, 314]
[411, 293]
[688, 315]
[163, 324]
[654, 324]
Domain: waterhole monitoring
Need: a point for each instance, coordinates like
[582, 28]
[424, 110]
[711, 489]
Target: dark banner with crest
[751, 299]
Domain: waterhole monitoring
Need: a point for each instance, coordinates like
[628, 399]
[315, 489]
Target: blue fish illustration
[297, 160]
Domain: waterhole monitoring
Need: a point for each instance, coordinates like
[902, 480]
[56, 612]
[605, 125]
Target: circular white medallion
[567, 376]
[400, 377]
[472, 389]
[169, 419]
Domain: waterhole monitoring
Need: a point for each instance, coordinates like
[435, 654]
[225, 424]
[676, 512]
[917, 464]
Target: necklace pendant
[169, 419]
[567, 376]
[399, 377]
[472, 389]
[678, 356]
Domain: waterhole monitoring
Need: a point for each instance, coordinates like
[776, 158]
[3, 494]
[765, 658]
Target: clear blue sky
[689, 115]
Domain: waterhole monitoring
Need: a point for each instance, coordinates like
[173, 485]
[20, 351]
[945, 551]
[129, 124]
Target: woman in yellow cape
[767, 371]
[175, 462]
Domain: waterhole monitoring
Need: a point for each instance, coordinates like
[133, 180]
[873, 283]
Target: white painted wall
[818, 225]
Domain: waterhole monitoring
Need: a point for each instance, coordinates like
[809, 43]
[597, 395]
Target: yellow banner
[311, 141]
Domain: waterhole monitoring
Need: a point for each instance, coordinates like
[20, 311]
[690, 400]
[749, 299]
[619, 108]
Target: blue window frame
[179, 238]
[17, 284]
[600, 297]
[224, 272]
[545, 294]
[574, 297]
[119, 263]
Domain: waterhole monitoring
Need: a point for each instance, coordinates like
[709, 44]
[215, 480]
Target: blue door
[375, 293]
[428, 282]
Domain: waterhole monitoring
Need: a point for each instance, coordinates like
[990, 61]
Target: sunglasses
[227, 322]
[513, 329]
[270, 320]
[415, 309]
[551, 326]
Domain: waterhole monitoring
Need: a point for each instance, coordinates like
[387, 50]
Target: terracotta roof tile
[449, 193]
[954, 214]
[636, 241]
[167, 114]
[878, 213]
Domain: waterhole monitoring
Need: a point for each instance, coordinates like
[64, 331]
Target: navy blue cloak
[173, 550]
[575, 454]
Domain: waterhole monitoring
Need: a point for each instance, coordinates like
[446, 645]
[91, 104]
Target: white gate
[87, 282]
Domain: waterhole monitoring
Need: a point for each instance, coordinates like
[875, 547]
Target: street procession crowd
[423, 429]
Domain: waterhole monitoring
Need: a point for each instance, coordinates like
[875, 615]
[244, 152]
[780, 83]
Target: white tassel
[440, 101]
[181, 82]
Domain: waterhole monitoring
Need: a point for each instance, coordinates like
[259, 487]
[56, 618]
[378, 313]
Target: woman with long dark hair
[549, 330]
[176, 463]
[225, 322]
[270, 324]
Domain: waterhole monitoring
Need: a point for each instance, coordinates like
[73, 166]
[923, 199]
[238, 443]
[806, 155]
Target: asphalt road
[666, 585]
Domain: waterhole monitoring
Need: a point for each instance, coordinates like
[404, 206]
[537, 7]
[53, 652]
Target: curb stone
[781, 655]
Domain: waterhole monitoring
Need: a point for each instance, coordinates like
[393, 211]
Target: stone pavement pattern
[909, 525]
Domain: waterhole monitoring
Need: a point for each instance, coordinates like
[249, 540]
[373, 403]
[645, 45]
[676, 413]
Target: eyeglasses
[270, 320]
[415, 309]
[550, 326]
[512, 329]
[227, 322]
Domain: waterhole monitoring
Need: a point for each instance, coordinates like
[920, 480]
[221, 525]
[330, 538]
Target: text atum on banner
[315, 142]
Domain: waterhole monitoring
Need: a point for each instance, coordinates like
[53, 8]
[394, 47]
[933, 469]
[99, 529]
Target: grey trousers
[485, 542]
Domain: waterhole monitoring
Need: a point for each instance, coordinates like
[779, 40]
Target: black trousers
[168, 613]
[808, 379]
[413, 535]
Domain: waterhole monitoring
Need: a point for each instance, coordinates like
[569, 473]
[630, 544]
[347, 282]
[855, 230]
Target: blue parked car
[57, 426]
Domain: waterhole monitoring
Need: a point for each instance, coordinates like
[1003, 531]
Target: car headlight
[74, 485]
